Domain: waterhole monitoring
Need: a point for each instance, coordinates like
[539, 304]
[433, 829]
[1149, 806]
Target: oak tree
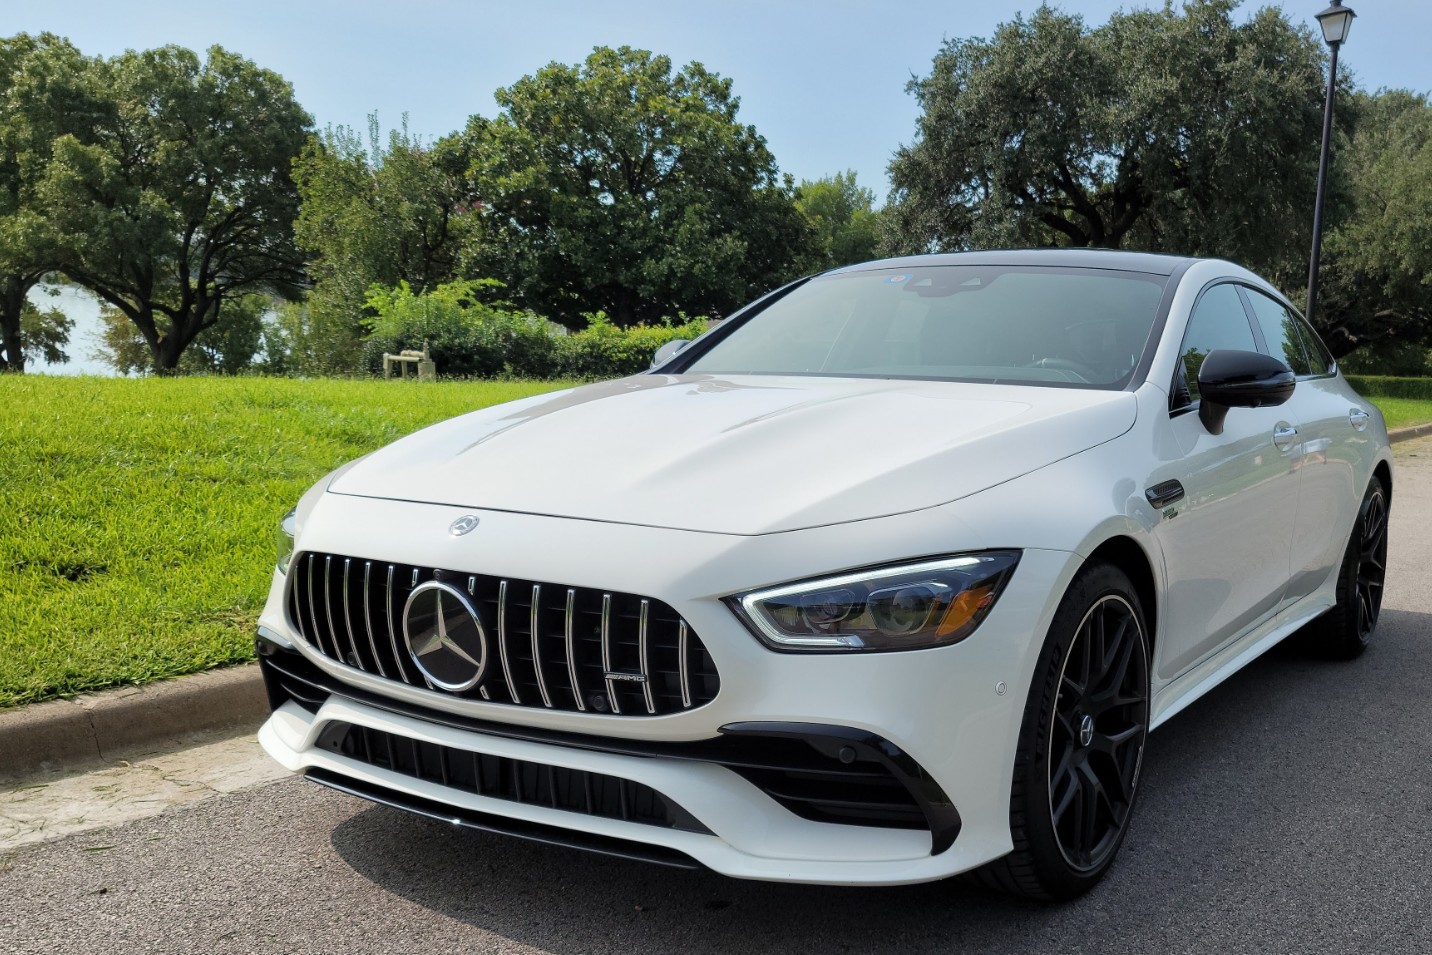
[184, 199]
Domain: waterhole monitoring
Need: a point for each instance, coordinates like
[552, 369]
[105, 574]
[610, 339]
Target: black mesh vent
[499, 777]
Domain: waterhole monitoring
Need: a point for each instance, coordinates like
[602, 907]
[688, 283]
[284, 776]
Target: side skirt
[1184, 691]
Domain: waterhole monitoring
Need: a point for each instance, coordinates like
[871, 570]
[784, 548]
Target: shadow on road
[1266, 807]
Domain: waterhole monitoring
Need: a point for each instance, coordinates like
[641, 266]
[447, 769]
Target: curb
[1407, 434]
[100, 727]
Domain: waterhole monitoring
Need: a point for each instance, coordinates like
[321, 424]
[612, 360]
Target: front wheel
[1081, 743]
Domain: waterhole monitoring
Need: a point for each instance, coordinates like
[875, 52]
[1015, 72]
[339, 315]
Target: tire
[1081, 743]
[1344, 631]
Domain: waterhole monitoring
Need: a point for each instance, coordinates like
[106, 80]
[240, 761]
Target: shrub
[469, 337]
[602, 350]
[466, 336]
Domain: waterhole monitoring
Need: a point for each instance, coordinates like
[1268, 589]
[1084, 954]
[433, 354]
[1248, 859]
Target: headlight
[905, 607]
[283, 539]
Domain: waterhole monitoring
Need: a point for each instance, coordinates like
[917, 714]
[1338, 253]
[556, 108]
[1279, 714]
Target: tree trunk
[13, 289]
[623, 311]
[169, 345]
[166, 351]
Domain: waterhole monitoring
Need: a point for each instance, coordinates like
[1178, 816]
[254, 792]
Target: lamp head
[1336, 21]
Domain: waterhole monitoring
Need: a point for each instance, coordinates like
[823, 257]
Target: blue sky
[824, 82]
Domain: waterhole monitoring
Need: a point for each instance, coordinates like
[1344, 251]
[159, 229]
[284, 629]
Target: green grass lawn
[1403, 412]
[137, 515]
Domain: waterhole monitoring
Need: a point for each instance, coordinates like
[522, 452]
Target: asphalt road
[1288, 811]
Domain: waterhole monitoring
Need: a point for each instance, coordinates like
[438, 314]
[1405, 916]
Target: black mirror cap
[1240, 379]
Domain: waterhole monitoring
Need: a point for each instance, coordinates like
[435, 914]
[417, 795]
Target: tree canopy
[44, 94]
[191, 195]
[1376, 284]
[182, 200]
[1161, 129]
[399, 211]
[620, 185]
[842, 214]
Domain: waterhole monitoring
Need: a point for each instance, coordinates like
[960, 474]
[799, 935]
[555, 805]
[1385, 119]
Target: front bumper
[942, 723]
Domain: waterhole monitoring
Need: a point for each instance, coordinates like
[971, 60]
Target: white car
[885, 579]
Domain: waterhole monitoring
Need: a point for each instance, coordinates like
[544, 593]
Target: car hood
[741, 454]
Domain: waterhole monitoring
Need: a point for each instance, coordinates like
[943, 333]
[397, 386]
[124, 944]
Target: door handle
[1284, 435]
[1358, 419]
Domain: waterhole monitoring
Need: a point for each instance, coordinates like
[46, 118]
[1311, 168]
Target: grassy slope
[1403, 412]
[137, 516]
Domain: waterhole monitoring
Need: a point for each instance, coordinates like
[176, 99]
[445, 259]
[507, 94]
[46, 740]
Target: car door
[1226, 540]
[1328, 437]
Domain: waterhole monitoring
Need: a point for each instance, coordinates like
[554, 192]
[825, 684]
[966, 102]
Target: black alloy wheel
[1081, 742]
[1345, 630]
[1097, 732]
[1371, 562]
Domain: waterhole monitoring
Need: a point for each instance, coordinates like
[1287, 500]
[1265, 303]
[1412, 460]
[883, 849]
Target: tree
[230, 346]
[1174, 130]
[1375, 284]
[184, 200]
[396, 212]
[621, 186]
[43, 94]
[842, 214]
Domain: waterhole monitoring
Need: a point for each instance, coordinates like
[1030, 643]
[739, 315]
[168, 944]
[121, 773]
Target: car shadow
[1268, 807]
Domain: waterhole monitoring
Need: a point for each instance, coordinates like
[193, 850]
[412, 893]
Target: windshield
[1075, 327]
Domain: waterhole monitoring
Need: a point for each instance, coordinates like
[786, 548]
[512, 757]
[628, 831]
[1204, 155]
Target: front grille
[553, 646]
[500, 777]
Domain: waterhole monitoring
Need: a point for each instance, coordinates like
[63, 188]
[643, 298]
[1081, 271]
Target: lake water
[83, 308]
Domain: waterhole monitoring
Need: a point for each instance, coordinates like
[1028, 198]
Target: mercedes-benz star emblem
[462, 525]
[445, 636]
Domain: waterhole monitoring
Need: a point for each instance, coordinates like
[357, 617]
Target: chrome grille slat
[312, 607]
[392, 633]
[328, 605]
[572, 650]
[607, 652]
[683, 664]
[641, 650]
[502, 642]
[536, 650]
[618, 653]
[368, 616]
[348, 615]
[472, 592]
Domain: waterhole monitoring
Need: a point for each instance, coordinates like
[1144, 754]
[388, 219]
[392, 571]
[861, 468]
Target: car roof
[1117, 259]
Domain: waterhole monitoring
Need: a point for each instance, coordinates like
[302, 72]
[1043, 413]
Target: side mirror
[1240, 379]
[668, 351]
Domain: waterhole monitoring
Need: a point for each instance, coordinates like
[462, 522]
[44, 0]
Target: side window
[1219, 321]
[1322, 359]
[1280, 331]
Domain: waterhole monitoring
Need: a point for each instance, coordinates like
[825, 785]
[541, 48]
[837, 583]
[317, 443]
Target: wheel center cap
[1086, 730]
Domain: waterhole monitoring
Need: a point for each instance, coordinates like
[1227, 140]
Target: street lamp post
[1336, 20]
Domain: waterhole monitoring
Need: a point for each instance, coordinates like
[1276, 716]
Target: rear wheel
[1081, 743]
[1344, 631]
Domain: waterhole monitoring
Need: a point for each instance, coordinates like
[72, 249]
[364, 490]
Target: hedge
[1386, 386]
[469, 336]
